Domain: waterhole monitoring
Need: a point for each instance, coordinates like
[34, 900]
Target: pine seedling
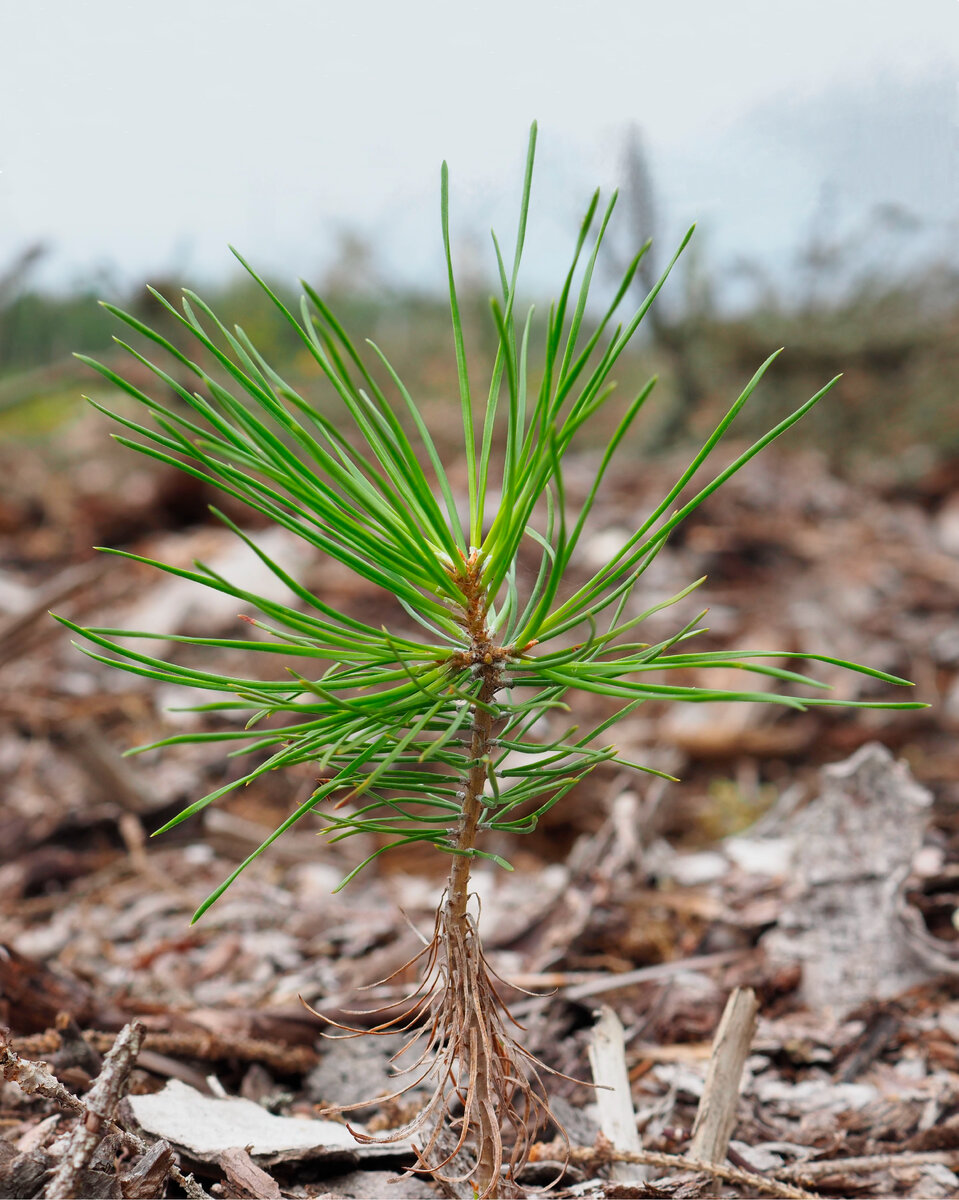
[432, 731]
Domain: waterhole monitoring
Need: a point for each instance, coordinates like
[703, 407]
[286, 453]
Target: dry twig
[34, 1079]
[762, 1184]
[100, 1105]
[870, 1162]
[207, 1046]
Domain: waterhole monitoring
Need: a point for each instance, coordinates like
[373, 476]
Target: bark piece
[245, 1179]
[89, 1184]
[23, 1174]
[354, 1071]
[881, 1028]
[32, 995]
[75, 1051]
[375, 1185]
[852, 849]
[207, 1126]
[617, 1118]
[716, 1115]
[147, 1177]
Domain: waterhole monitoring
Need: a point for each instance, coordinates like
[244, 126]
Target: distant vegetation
[894, 336]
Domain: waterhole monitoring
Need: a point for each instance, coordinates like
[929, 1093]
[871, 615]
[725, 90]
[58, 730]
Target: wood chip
[716, 1115]
[245, 1178]
[617, 1118]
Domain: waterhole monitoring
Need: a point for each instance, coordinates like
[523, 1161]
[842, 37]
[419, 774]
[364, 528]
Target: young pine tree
[432, 731]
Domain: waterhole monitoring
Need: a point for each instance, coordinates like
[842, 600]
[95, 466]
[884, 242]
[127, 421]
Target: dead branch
[870, 1162]
[34, 1079]
[100, 1105]
[763, 1184]
[201, 1044]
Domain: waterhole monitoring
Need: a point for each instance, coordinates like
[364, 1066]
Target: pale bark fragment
[853, 847]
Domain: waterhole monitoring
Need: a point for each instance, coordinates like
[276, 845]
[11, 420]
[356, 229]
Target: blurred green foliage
[892, 335]
[38, 329]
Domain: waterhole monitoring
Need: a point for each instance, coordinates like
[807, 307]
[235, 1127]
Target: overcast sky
[142, 135]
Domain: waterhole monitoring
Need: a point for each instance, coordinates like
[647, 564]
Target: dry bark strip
[716, 1115]
[245, 1178]
[34, 1079]
[101, 1102]
[145, 1179]
[199, 1043]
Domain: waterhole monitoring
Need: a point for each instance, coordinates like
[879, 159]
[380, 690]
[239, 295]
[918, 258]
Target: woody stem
[457, 925]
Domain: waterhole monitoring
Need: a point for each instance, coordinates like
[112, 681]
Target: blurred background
[814, 143]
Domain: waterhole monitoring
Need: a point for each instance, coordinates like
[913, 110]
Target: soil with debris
[797, 859]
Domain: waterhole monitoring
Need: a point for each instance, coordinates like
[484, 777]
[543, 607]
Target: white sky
[139, 134]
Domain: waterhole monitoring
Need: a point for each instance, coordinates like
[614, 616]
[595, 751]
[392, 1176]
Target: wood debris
[716, 1115]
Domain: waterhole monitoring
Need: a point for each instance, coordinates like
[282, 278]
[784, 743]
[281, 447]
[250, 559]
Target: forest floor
[654, 899]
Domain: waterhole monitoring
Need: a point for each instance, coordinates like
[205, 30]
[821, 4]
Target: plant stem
[468, 824]
[485, 659]
[480, 1061]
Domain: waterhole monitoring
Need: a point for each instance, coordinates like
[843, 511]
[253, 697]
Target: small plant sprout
[432, 731]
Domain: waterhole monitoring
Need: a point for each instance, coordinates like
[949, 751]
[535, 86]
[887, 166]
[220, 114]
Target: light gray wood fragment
[206, 1126]
[716, 1115]
[617, 1118]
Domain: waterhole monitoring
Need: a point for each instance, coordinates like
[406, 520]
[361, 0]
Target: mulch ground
[654, 899]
